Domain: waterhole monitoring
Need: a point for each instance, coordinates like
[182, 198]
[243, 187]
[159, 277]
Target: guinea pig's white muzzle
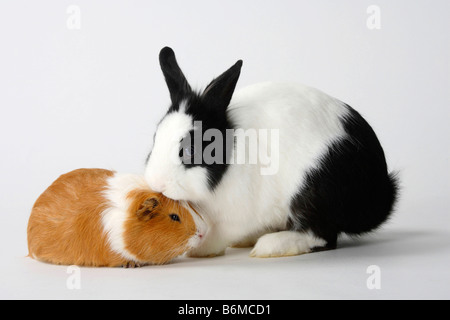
[202, 229]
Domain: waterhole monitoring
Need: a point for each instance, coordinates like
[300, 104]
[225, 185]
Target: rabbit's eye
[174, 217]
[189, 152]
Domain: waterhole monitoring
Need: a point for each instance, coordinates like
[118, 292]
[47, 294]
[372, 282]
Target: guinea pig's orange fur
[65, 226]
[168, 238]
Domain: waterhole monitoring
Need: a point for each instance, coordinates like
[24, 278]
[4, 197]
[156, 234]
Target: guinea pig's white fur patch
[114, 217]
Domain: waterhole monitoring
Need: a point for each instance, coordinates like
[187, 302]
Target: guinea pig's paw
[132, 264]
[285, 243]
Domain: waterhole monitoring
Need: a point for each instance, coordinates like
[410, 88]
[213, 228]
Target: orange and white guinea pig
[96, 217]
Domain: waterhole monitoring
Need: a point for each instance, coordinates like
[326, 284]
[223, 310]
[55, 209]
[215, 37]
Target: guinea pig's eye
[174, 217]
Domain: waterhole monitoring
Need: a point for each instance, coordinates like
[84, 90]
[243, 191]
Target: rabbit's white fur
[245, 204]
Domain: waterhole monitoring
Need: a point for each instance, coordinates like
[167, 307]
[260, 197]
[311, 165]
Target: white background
[92, 98]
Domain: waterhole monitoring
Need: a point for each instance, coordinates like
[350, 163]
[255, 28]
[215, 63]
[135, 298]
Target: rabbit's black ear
[219, 92]
[175, 79]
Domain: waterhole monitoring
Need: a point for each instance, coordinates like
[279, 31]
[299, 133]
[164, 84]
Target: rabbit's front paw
[285, 243]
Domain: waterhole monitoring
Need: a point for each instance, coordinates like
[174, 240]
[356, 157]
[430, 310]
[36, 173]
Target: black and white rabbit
[331, 176]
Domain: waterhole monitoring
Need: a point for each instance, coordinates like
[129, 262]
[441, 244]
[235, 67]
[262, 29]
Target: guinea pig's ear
[175, 79]
[219, 92]
[147, 209]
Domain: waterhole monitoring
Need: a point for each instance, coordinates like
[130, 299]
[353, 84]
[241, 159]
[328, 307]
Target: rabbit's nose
[157, 185]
